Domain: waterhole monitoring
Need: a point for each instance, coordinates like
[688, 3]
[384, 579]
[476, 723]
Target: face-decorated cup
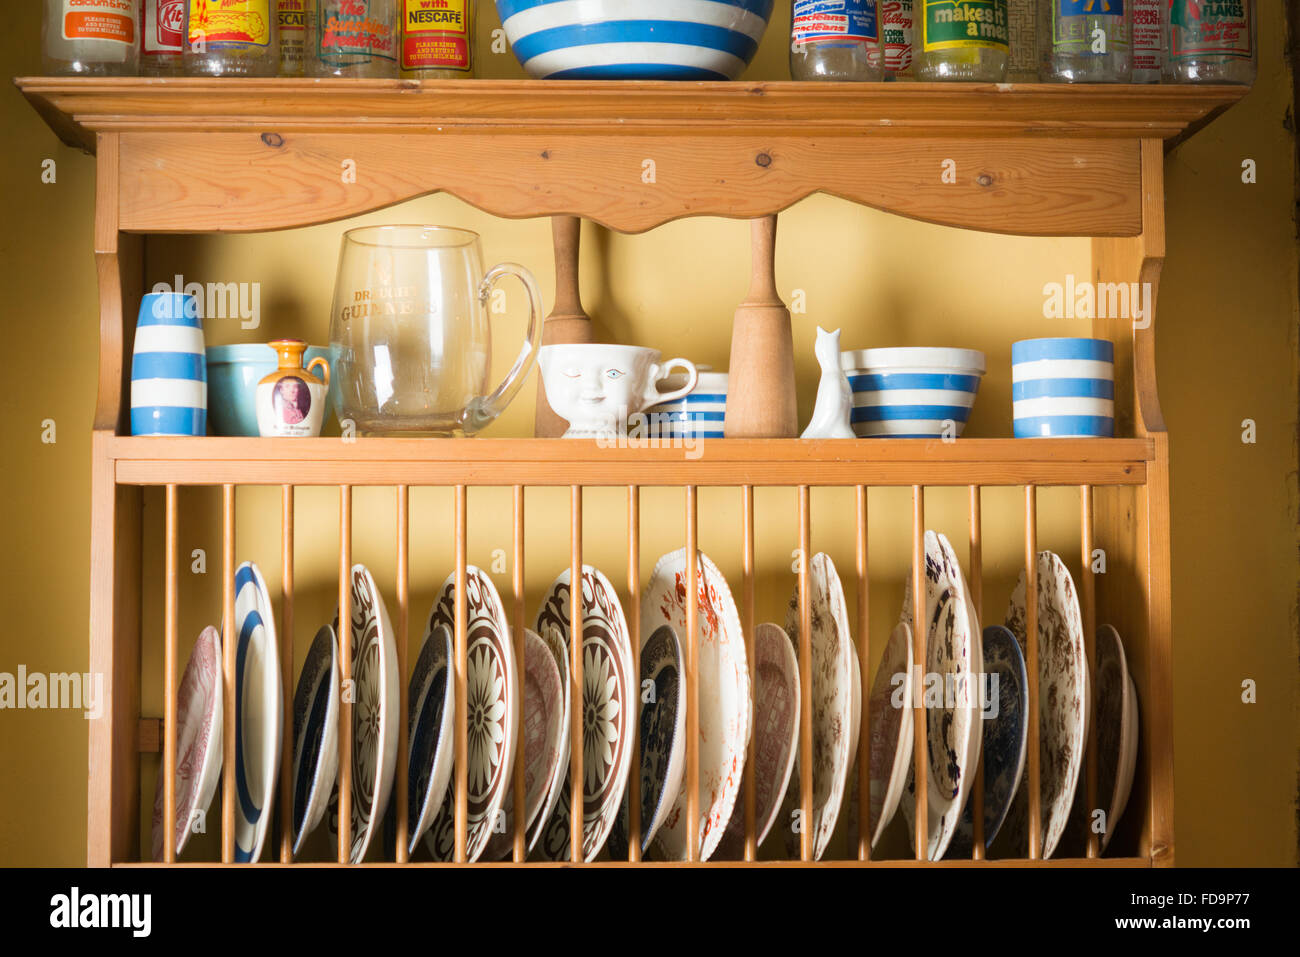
[596, 387]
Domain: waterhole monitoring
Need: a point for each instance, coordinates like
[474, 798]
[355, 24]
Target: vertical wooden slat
[462, 680]
[920, 638]
[286, 673]
[576, 636]
[169, 683]
[1088, 595]
[228, 677]
[977, 599]
[864, 667]
[345, 674]
[1031, 664]
[747, 623]
[520, 850]
[402, 797]
[805, 678]
[692, 662]
[634, 625]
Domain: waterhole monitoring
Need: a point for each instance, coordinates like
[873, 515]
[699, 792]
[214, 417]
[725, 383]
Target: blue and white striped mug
[169, 376]
[1063, 388]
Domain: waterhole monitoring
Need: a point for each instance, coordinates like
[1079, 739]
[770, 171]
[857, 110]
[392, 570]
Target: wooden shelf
[1031, 159]
[560, 462]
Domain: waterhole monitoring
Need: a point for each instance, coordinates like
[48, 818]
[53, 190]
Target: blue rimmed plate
[258, 709]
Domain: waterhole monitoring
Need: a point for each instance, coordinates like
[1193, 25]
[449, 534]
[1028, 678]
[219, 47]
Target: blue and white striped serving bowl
[169, 375]
[634, 39]
[1063, 388]
[912, 393]
[700, 415]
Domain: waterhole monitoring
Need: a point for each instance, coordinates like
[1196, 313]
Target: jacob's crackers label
[435, 34]
[230, 21]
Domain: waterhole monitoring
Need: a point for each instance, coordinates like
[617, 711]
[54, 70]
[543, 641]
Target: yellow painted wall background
[1227, 352]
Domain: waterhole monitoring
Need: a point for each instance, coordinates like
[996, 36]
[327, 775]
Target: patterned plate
[492, 691]
[725, 703]
[607, 695]
[1006, 733]
[258, 711]
[431, 715]
[374, 721]
[557, 775]
[832, 694]
[776, 736]
[198, 741]
[953, 732]
[315, 735]
[662, 739]
[543, 699]
[1063, 700]
[891, 729]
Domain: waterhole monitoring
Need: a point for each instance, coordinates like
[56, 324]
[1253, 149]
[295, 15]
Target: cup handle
[481, 411]
[324, 374]
[654, 397]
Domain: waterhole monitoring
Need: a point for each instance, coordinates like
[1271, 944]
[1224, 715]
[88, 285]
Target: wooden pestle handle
[762, 281]
[567, 321]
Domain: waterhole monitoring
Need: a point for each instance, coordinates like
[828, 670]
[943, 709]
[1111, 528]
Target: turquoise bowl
[233, 375]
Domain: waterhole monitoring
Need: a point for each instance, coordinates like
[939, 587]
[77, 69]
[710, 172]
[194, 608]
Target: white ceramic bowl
[912, 392]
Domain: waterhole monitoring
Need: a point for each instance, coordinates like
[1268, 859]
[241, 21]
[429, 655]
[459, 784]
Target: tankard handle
[481, 411]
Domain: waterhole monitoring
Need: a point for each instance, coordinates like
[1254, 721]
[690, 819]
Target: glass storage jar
[356, 38]
[961, 40]
[842, 43]
[231, 38]
[1212, 42]
[1148, 40]
[1085, 41]
[91, 37]
[162, 38]
[437, 43]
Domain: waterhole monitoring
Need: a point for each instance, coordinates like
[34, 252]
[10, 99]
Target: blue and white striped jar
[169, 376]
[700, 415]
[1063, 388]
[634, 39]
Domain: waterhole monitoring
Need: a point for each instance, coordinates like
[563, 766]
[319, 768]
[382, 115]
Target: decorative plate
[198, 741]
[608, 693]
[543, 698]
[776, 736]
[557, 775]
[662, 739]
[1006, 736]
[315, 735]
[891, 729]
[374, 723]
[1063, 700]
[258, 711]
[492, 691]
[725, 704]
[431, 715]
[1117, 728]
[953, 732]
[832, 694]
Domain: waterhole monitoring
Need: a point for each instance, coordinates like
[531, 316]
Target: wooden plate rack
[1035, 160]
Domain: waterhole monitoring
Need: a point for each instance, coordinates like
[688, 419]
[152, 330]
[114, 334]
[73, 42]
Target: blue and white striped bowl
[634, 39]
[700, 415]
[169, 375]
[912, 393]
[1063, 388]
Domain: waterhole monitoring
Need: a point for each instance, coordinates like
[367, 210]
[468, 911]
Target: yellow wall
[1227, 351]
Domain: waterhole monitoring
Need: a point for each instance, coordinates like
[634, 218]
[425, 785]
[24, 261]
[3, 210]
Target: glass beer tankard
[409, 332]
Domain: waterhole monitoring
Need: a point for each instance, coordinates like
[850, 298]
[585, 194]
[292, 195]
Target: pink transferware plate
[776, 736]
[724, 699]
[198, 742]
[892, 728]
[492, 695]
[558, 775]
[835, 729]
[609, 694]
[543, 712]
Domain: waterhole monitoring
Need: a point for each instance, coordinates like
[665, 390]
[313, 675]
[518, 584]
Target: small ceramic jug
[291, 401]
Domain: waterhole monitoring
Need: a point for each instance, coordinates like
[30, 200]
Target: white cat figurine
[831, 415]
